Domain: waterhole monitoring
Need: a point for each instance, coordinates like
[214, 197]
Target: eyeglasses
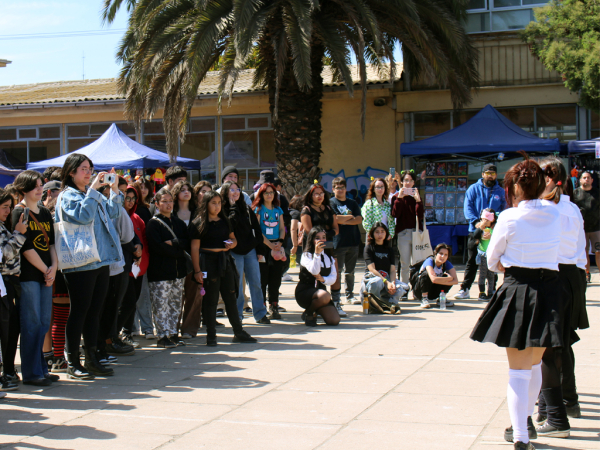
[130, 199]
[236, 191]
[319, 194]
[87, 169]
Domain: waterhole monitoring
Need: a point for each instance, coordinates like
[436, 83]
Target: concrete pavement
[414, 381]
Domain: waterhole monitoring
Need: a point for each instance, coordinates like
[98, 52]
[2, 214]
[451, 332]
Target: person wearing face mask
[486, 193]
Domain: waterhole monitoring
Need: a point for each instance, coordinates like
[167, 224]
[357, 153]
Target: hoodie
[479, 197]
[139, 228]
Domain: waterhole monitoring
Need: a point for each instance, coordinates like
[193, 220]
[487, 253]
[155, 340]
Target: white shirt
[313, 263]
[526, 236]
[572, 237]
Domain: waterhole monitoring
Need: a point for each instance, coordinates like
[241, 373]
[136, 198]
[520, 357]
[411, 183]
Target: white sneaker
[425, 303]
[463, 293]
[340, 311]
[287, 277]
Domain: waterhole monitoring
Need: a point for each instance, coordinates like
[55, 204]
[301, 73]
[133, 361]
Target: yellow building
[4, 62]
[45, 120]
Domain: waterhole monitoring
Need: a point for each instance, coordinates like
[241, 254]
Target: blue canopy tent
[583, 146]
[488, 132]
[7, 175]
[115, 149]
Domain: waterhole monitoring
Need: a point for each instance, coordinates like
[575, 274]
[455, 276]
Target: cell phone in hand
[110, 178]
[228, 241]
[409, 191]
[393, 171]
[328, 244]
[26, 215]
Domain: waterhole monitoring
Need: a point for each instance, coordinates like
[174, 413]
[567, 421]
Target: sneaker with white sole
[287, 277]
[150, 335]
[425, 303]
[340, 311]
[548, 430]
[463, 293]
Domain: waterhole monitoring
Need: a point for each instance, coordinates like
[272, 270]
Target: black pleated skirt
[304, 293]
[574, 280]
[528, 310]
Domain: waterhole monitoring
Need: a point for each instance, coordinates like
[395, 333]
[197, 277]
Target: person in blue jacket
[486, 193]
[88, 284]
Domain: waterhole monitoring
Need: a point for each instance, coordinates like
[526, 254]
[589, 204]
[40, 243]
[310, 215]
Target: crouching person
[437, 274]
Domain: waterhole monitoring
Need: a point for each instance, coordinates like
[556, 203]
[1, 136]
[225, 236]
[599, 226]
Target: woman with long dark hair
[212, 238]
[185, 206]
[377, 208]
[525, 315]
[88, 284]
[318, 213]
[145, 192]
[317, 270]
[248, 234]
[201, 188]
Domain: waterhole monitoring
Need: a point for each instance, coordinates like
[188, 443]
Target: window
[20, 145]
[248, 144]
[153, 135]
[430, 124]
[500, 15]
[200, 143]
[80, 135]
[594, 125]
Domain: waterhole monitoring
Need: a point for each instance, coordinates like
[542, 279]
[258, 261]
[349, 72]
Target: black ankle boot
[75, 370]
[93, 365]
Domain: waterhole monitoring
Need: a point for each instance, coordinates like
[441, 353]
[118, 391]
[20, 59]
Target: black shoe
[94, 366]
[211, 341]
[574, 411]
[59, 365]
[219, 325]
[265, 320]
[105, 358]
[548, 430]
[281, 308]
[51, 377]
[220, 313]
[165, 342]
[244, 338]
[13, 377]
[588, 277]
[541, 419]
[7, 385]
[75, 369]
[508, 433]
[483, 298]
[178, 341]
[310, 321]
[522, 446]
[118, 348]
[303, 316]
[39, 382]
[404, 297]
[248, 310]
[274, 313]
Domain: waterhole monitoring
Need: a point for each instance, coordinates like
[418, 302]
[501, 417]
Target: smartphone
[328, 244]
[110, 178]
[393, 171]
[409, 191]
[26, 215]
[228, 241]
[204, 275]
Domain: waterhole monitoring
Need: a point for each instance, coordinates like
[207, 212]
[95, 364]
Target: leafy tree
[171, 44]
[566, 38]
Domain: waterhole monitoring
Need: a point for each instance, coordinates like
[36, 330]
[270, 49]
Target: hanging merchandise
[158, 176]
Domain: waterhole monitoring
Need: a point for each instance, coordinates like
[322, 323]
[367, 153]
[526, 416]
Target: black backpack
[413, 274]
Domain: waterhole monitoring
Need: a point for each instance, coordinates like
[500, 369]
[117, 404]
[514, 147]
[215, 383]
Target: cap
[266, 176]
[490, 167]
[227, 170]
[51, 186]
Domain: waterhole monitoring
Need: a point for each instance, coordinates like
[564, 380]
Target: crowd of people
[89, 254]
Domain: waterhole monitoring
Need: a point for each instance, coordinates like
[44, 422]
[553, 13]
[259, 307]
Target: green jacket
[372, 213]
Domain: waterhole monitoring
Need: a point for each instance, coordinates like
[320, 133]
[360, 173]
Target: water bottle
[293, 261]
[443, 300]
[365, 304]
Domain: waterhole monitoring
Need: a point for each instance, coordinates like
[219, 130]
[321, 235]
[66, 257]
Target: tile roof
[106, 89]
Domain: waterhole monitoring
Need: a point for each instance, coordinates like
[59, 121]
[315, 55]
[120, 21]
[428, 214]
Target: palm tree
[170, 45]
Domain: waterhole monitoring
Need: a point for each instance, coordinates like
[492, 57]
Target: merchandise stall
[584, 156]
[447, 164]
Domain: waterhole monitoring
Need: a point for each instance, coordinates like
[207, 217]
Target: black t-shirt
[35, 241]
[587, 201]
[295, 215]
[214, 236]
[349, 235]
[380, 255]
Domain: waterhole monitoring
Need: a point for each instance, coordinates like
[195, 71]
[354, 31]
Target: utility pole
[83, 66]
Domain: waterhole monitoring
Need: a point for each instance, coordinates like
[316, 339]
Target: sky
[44, 59]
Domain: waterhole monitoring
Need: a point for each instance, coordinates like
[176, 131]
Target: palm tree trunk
[297, 127]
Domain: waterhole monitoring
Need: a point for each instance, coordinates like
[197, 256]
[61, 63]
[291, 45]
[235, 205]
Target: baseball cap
[51, 186]
[490, 167]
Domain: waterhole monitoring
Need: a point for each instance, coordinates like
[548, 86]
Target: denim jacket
[83, 209]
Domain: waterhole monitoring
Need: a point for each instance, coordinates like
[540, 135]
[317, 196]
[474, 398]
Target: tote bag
[75, 244]
[421, 245]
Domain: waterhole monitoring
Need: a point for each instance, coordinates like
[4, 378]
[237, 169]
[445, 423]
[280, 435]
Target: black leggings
[128, 305]
[87, 291]
[10, 324]
[225, 285]
[107, 328]
[271, 272]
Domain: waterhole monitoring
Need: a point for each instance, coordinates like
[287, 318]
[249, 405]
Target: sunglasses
[130, 199]
[490, 173]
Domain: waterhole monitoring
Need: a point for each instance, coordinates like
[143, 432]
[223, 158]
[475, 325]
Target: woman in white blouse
[552, 410]
[525, 313]
[317, 270]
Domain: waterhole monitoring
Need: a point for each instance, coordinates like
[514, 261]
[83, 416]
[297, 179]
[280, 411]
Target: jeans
[346, 259]
[405, 251]
[248, 265]
[144, 308]
[375, 286]
[36, 311]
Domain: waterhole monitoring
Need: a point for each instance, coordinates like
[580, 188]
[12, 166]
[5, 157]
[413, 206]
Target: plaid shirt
[10, 244]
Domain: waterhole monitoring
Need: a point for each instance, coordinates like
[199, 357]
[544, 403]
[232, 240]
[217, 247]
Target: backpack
[381, 306]
[413, 274]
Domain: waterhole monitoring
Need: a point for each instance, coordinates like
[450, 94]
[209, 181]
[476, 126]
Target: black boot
[93, 365]
[75, 370]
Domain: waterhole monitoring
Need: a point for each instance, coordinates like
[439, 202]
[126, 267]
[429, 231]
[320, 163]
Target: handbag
[189, 266]
[421, 245]
[75, 244]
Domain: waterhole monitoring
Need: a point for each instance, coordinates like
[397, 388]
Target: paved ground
[413, 381]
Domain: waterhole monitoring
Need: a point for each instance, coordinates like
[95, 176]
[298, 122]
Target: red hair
[259, 198]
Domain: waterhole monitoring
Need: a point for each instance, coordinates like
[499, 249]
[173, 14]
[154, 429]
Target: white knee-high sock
[517, 397]
[534, 387]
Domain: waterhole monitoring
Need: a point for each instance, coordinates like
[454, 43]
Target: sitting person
[437, 274]
[317, 270]
[380, 276]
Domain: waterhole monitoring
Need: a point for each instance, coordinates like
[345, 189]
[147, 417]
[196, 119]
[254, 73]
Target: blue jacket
[83, 209]
[479, 197]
